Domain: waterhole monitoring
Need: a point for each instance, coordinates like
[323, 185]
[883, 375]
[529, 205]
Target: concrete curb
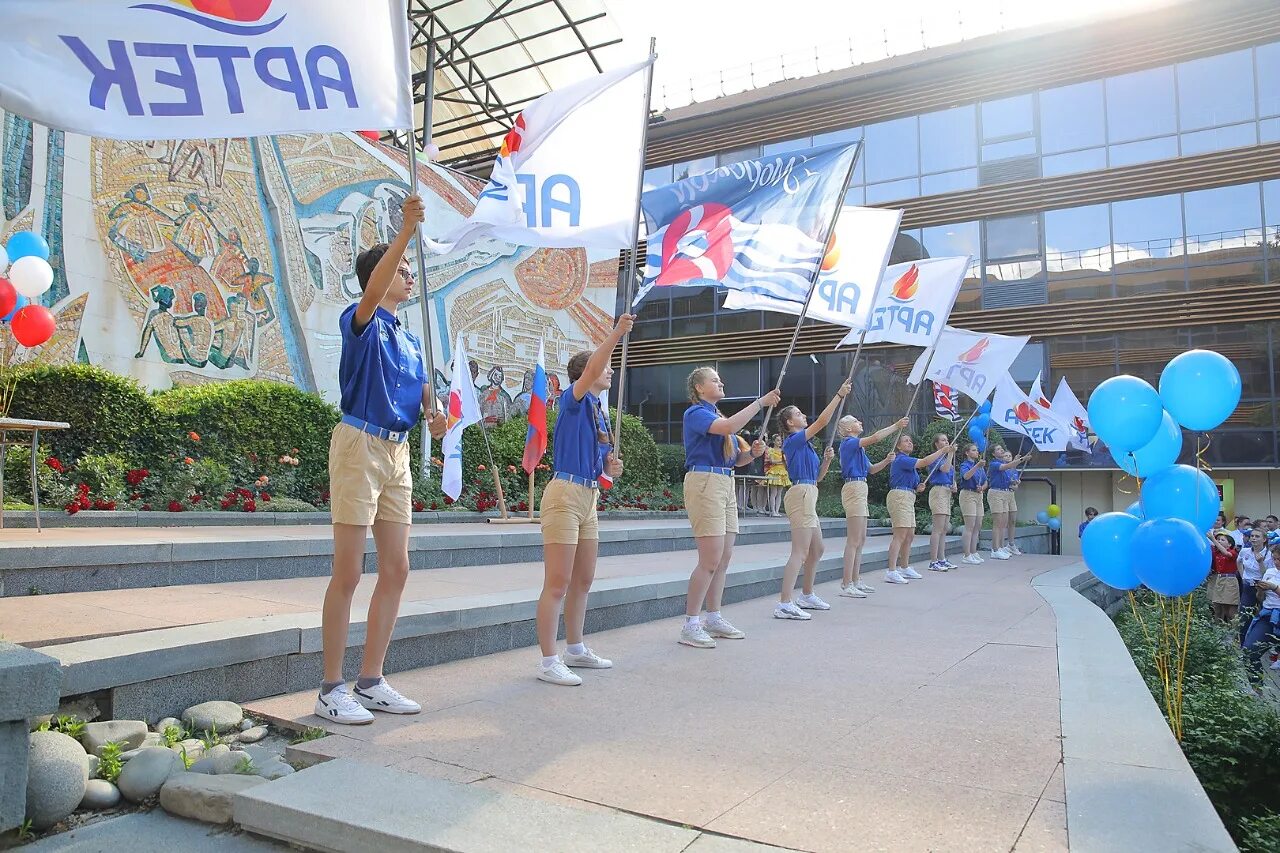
[1129, 786]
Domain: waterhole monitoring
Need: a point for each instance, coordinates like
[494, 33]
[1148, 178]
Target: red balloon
[33, 325]
[8, 297]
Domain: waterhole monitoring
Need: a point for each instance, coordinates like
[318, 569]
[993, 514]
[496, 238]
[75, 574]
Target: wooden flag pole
[497, 481]
[628, 284]
[531, 473]
[813, 286]
[915, 394]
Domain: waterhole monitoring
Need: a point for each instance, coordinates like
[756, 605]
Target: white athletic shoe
[894, 576]
[789, 610]
[339, 706]
[1014, 550]
[865, 587]
[812, 602]
[909, 572]
[978, 558]
[586, 660]
[972, 559]
[383, 697]
[1002, 554]
[950, 565]
[721, 627]
[558, 673]
[693, 634]
[938, 566]
[852, 591]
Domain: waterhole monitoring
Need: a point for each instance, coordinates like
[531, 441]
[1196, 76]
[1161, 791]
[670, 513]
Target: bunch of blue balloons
[979, 424]
[1160, 540]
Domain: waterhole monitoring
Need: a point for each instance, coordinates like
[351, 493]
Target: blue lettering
[292, 82]
[530, 185]
[226, 56]
[185, 80]
[1011, 418]
[571, 205]
[319, 82]
[962, 376]
[104, 78]
[1042, 435]
[903, 317]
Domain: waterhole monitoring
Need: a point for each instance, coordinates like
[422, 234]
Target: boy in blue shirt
[384, 390]
[582, 449]
[1000, 496]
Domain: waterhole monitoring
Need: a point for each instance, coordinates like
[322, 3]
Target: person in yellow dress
[775, 474]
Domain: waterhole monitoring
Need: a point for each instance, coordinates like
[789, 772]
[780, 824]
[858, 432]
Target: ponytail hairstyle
[784, 415]
[844, 427]
[695, 379]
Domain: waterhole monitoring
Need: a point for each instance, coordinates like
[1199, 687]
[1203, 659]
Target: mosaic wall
[180, 262]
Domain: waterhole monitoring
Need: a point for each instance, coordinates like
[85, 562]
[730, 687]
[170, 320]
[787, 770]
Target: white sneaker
[1014, 550]
[383, 697]
[937, 566]
[894, 576]
[693, 634]
[586, 660]
[811, 602]
[977, 558]
[909, 572]
[971, 559]
[865, 587]
[852, 591]
[789, 610]
[721, 627]
[339, 706]
[558, 673]
[950, 565]
[1002, 554]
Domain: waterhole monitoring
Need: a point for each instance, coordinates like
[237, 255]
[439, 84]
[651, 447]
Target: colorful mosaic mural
[181, 262]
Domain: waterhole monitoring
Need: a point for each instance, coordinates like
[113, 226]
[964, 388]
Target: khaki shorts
[801, 504]
[712, 503]
[1001, 500]
[854, 497]
[369, 478]
[940, 500]
[902, 507]
[568, 513]
[1013, 501]
[971, 504]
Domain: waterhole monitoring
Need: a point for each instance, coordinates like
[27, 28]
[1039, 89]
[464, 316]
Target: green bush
[108, 413]
[103, 474]
[671, 459]
[285, 504]
[1260, 833]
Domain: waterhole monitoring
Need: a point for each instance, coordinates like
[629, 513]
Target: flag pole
[835, 422]
[423, 296]
[531, 473]
[628, 284]
[813, 285]
[497, 481]
[915, 394]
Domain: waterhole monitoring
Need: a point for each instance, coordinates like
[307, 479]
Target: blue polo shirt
[938, 477]
[381, 372]
[854, 462]
[701, 446]
[802, 459]
[979, 477]
[576, 447]
[999, 479]
[903, 473]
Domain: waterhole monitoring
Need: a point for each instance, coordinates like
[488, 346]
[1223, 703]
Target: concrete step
[86, 560]
[351, 807]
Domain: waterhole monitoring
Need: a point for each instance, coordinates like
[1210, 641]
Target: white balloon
[31, 276]
[4, 259]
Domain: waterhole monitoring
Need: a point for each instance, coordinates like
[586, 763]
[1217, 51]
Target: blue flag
[757, 226]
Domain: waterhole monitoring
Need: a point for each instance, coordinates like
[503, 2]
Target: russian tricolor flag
[535, 442]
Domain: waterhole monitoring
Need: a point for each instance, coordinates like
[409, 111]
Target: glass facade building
[1207, 249]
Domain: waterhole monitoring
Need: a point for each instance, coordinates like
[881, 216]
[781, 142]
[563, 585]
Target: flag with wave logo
[969, 362]
[1037, 394]
[1015, 411]
[758, 226]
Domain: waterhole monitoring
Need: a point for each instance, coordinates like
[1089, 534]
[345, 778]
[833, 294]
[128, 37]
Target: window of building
[1029, 364]
[1072, 117]
[658, 176]
[798, 144]
[1012, 236]
[737, 156]
[847, 134]
[949, 182]
[1008, 118]
[693, 167]
[892, 191]
[948, 140]
[1267, 57]
[1269, 130]
[1215, 90]
[1089, 160]
[1219, 138]
[1141, 105]
[1224, 224]
[947, 241]
[1009, 148]
[737, 321]
[1129, 153]
[1146, 230]
[1271, 215]
[692, 303]
[1078, 253]
[892, 150]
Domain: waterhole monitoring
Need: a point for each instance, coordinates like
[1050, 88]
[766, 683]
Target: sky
[700, 39]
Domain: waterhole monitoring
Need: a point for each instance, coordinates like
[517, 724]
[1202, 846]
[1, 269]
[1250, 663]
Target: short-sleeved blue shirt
[854, 462]
[576, 447]
[381, 372]
[802, 459]
[938, 477]
[979, 477]
[701, 446]
[903, 473]
[999, 479]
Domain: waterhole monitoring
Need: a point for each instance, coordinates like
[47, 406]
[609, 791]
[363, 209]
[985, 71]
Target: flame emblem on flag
[974, 354]
[1026, 413]
[1078, 424]
[1043, 403]
[832, 258]
[514, 139]
[907, 285]
[234, 17]
[455, 410]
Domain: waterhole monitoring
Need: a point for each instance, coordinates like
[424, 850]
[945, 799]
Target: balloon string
[1200, 451]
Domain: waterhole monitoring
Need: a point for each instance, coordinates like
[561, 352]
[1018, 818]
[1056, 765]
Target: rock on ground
[206, 798]
[273, 769]
[57, 773]
[130, 734]
[253, 735]
[142, 777]
[100, 794]
[220, 760]
[214, 716]
[165, 723]
[247, 724]
[93, 763]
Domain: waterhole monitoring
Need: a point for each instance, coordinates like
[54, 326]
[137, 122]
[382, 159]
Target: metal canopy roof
[492, 57]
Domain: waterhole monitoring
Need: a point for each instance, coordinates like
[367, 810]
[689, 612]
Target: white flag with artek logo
[463, 411]
[1013, 410]
[970, 362]
[1067, 406]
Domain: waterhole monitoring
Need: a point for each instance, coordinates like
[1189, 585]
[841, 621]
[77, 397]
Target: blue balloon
[978, 437]
[1200, 388]
[1181, 491]
[1042, 517]
[1105, 546]
[1171, 556]
[26, 244]
[982, 422]
[22, 302]
[1157, 454]
[1125, 412]
[985, 408]
[1135, 509]
[1056, 524]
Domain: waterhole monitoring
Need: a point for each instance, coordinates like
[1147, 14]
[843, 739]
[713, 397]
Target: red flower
[72, 508]
[481, 468]
[136, 476]
[136, 496]
[227, 503]
[84, 501]
[146, 507]
[56, 464]
[447, 500]
[194, 436]
[195, 499]
[110, 506]
[187, 460]
[666, 493]
[419, 506]
[175, 506]
[244, 493]
[265, 498]
[435, 505]
[250, 505]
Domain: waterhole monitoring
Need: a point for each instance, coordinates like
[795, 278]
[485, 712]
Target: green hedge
[671, 457]
[108, 413]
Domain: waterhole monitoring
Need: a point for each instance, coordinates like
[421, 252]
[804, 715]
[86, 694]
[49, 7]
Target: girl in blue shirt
[711, 452]
[972, 483]
[801, 503]
[904, 483]
[942, 485]
[855, 467]
[1000, 495]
